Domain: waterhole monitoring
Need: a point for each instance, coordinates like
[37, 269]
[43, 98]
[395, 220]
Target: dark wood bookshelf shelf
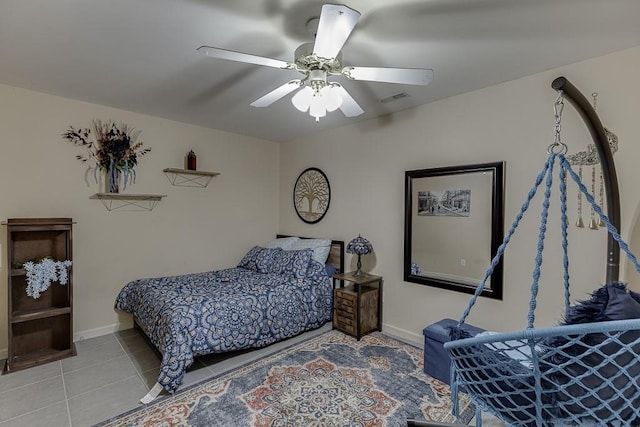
[42, 356]
[18, 316]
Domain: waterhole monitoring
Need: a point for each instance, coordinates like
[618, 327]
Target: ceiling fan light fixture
[318, 97]
[331, 97]
[302, 99]
[321, 58]
[317, 108]
[317, 102]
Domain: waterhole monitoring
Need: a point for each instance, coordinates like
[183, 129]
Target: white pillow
[321, 248]
[285, 243]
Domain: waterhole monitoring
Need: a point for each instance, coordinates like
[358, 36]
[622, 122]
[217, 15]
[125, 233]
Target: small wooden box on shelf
[40, 330]
[357, 307]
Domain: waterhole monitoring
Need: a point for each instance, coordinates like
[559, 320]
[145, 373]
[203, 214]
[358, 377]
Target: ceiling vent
[394, 98]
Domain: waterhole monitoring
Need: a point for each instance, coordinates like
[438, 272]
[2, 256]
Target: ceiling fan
[319, 60]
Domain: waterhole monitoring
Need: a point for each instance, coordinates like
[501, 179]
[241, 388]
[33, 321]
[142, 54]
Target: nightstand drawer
[345, 324]
[344, 313]
[347, 296]
[342, 304]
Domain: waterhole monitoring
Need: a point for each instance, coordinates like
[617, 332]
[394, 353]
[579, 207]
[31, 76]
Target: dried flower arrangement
[115, 150]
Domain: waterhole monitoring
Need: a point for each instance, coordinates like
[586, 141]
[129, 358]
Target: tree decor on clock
[311, 195]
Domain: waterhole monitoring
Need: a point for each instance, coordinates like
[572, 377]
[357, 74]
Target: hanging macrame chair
[581, 374]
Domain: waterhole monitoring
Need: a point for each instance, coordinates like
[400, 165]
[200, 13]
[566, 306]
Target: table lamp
[359, 246]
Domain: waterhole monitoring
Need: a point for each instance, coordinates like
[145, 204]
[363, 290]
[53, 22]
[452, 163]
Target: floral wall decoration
[114, 147]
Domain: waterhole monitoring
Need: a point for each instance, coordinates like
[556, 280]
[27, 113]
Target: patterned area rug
[330, 380]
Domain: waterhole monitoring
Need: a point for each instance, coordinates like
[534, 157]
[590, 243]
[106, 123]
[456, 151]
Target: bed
[273, 294]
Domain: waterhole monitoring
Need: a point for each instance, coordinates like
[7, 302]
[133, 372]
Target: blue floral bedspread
[225, 310]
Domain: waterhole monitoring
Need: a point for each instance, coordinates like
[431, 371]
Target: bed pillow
[291, 263]
[330, 270]
[259, 259]
[320, 247]
[285, 243]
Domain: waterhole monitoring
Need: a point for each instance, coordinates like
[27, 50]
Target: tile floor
[108, 377]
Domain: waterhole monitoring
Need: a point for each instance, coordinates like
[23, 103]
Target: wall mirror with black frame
[454, 224]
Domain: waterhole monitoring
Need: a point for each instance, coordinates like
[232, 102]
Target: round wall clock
[311, 195]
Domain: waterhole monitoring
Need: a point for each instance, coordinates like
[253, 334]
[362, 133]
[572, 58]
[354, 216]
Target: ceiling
[140, 55]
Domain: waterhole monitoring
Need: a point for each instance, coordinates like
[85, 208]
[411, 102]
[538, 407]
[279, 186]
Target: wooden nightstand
[357, 307]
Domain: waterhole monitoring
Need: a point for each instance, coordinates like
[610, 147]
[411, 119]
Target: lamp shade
[332, 99]
[317, 102]
[317, 108]
[302, 99]
[359, 246]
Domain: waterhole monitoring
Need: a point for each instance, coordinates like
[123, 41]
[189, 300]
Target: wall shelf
[189, 178]
[128, 202]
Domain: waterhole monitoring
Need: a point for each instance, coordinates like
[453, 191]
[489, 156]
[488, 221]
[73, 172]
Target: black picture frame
[313, 192]
[451, 236]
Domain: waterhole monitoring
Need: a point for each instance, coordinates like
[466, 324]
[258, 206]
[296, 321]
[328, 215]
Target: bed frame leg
[153, 393]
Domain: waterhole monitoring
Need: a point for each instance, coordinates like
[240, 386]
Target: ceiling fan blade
[336, 23]
[410, 76]
[232, 55]
[277, 93]
[349, 106]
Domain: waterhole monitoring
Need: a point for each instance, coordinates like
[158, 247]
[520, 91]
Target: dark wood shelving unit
[40, 330]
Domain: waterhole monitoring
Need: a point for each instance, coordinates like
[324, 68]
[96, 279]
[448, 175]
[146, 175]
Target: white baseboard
[404, 335]
[98, 332]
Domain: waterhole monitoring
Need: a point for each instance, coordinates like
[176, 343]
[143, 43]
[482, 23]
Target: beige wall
[365, 165]
[192, 229]
[200, 229]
